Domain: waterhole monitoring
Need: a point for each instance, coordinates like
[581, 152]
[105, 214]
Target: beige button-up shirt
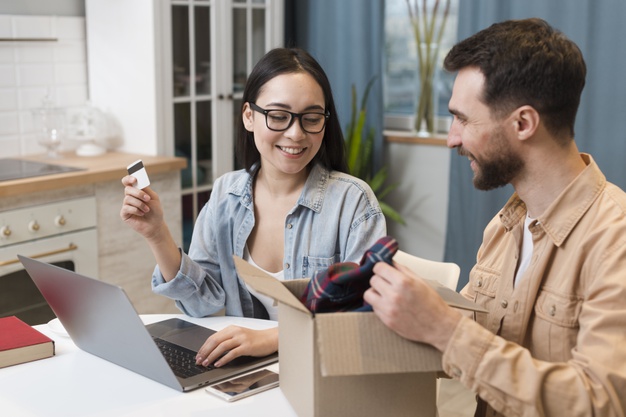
[555, 345]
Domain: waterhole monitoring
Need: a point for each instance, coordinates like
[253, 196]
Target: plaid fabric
[341, 287]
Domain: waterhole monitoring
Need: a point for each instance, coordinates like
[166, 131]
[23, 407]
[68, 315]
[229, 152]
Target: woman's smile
[291, 150]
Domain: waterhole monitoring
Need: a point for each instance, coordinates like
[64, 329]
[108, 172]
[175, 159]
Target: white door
[214, 45]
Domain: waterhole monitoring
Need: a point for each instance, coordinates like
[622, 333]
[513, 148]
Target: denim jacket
[336, 219]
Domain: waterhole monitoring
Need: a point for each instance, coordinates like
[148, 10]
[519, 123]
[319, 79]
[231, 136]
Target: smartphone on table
[244, 385]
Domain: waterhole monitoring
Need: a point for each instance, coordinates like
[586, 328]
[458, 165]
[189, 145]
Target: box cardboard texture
[346, 363]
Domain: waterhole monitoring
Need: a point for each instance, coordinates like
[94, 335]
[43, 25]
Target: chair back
[446, 273]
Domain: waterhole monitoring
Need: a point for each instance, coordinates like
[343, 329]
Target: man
[551, 270]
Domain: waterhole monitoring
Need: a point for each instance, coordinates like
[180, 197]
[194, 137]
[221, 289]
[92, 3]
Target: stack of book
[21, 343]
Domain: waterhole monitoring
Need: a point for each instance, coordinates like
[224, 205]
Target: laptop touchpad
[181, 332]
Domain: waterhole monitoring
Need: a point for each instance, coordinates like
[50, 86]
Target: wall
[125, 71]
[46, 7]
[30, 70]
[422, 174]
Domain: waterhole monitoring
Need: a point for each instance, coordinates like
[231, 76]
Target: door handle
[70, 248]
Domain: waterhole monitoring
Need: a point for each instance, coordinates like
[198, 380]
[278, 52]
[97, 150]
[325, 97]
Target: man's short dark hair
[526, 62]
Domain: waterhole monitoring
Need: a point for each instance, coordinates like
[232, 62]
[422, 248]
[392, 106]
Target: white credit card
[137, 170]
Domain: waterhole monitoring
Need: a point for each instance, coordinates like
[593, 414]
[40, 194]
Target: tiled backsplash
[31, 69]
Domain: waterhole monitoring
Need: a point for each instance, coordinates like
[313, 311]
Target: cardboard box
[346, 364]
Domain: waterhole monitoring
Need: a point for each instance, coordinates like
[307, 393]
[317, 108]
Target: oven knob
[33, 226]
[5, 232]
[59, 221]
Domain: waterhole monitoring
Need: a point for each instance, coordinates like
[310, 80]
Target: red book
[21, 343]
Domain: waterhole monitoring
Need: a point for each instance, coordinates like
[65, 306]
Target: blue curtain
[346, 38]
[599, 30]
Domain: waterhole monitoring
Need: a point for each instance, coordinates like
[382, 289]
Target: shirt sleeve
[194, 292]
[197, 287]
[368, 226]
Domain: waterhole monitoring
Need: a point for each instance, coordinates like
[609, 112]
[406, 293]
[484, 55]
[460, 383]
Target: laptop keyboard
[181, 360]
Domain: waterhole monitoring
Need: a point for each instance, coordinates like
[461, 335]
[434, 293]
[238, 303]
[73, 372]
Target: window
[401, 73]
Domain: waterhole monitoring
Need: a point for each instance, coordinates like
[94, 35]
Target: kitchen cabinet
[172, 72]
[124, 258]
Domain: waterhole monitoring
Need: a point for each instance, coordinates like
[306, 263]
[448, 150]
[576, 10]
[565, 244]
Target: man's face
[481, 138]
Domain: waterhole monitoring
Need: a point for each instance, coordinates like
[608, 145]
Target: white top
[268, 302]
[527, 251]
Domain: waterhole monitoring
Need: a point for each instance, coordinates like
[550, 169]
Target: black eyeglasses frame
[293, 115]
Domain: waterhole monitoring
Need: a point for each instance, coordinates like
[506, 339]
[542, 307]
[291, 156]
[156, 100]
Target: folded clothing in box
[342, 285]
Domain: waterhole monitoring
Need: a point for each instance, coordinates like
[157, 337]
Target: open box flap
[359, 343]
[453, 298]
[268, 285]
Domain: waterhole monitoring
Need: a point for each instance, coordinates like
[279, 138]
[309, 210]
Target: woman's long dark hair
[285, 61]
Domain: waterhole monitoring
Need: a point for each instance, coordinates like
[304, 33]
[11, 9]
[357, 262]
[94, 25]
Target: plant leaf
[391, 213]
[382, 194]
[360, 148]
[353, 116]
[366, 94]
[378, 179]
[355, 145]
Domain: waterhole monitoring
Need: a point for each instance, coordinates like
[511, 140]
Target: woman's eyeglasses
[281, 120]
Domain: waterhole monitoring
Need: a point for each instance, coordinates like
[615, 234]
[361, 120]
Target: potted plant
[359, 147]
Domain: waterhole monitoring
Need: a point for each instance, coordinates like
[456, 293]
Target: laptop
[101, 320]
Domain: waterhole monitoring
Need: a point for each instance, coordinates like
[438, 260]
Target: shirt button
[479, 283]
[287, 266]
[289, 226]
[504, 304]
[553, 310]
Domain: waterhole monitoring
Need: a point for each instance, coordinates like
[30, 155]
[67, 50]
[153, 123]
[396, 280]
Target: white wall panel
[30, 70]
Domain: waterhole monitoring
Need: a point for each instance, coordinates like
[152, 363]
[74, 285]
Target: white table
[76, 383]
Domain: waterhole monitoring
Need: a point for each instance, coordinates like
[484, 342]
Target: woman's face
[290, 151]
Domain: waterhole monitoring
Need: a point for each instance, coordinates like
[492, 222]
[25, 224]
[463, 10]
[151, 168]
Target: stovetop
[14, 169]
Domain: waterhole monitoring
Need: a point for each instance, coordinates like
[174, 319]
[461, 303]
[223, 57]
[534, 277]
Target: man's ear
[526, 121]
[247, 117]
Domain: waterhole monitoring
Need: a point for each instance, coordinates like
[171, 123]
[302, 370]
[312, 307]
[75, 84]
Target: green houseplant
[359, 147]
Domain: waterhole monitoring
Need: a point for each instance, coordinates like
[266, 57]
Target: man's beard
[499, 167]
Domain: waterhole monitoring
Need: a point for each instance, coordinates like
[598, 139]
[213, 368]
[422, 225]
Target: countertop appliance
[14, 169]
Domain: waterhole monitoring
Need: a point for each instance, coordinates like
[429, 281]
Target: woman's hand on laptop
[234, 341]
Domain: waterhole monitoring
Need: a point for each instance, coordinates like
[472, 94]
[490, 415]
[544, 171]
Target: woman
[291, 211]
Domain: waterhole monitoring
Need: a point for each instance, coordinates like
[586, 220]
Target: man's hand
[410, 307]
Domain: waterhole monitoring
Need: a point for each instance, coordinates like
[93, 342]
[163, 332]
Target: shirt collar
[564, 213]
[312, 195]
[315, 188]
[242, 187]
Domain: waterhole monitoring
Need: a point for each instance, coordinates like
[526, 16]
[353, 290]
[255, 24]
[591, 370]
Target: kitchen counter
[124, 258]
[107, 167]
